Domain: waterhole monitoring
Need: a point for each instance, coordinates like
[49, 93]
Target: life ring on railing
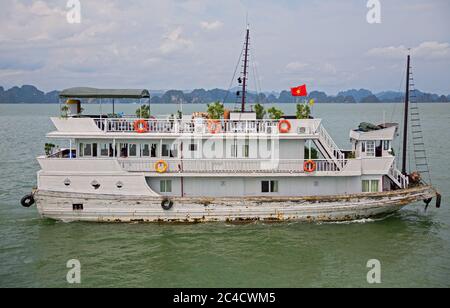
[284, 126]
[310, 166]
[141, 126]
[214, 126]
[161, 166]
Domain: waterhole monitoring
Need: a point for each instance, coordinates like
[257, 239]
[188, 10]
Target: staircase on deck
[329, 149]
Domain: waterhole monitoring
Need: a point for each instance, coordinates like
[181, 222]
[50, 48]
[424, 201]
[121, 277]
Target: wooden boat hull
[116, 208]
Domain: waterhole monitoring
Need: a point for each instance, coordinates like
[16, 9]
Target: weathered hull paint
[117, 208]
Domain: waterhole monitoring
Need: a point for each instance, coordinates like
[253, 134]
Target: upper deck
[170, 128]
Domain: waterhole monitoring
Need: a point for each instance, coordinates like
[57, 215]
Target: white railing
[399, 178]
[189, 126]
[225, 165]
[200, 126]
[331, 147]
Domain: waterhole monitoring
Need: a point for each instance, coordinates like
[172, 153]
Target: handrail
[226, 165]
[177, 126]
[401, 180]
[332, 147]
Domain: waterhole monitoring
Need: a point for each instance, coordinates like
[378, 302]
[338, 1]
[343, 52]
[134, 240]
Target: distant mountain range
[31, 95]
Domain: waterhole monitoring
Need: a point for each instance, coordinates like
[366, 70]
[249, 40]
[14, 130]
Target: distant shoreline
[29, 94]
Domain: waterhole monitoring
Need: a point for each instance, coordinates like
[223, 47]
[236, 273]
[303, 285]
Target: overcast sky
[188, 44]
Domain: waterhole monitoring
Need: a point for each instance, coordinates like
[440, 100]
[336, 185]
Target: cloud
[174, 42]
[296, 66]
[426, 50]
[210, 26]
[322, 68]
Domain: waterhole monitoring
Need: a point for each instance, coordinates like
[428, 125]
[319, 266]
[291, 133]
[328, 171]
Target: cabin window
[132, 150]
[370, 186]
[170, 150]
[104, 149]
[88, 149]
[366, 186]
[387, 145]
[234, 151]
[269, 186]
[246, 150]
[193, 147]
[363, 147]
[370, 148]
[174, 150]
[165, 186]
[154, 150]
[165, 150]
[123, 150]
[145, 150]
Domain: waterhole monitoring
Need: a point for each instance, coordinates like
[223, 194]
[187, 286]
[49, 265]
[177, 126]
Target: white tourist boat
[236, 168]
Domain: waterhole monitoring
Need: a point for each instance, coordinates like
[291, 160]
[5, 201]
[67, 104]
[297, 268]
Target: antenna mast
[244, 81]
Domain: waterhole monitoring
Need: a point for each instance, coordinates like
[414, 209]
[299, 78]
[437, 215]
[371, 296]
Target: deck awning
[104, 93]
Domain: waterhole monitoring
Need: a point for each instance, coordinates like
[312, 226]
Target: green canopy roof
[104, 93]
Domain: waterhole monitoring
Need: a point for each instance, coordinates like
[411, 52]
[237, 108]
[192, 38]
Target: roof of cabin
[83, 92]
[385, 131]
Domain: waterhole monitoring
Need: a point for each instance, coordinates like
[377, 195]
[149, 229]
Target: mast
[244, 82]
[405, 128]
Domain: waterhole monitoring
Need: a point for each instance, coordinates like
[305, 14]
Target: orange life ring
[310, 166]
[214, 126]
[284, 126]
[141, 126]
[161, 166]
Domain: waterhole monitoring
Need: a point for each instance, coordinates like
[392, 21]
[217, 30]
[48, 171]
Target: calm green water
[413, 246]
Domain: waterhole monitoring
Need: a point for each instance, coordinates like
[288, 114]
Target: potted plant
[260, 111]
[215, 111]
[275, 113]
[303, 111]
[143, 112]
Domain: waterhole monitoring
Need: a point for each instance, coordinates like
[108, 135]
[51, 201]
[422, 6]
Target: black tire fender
[27, 201]
[167, 204]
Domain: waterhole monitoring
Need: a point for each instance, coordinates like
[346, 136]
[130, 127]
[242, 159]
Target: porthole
[95, 184]
[119, 185]
[67, 182]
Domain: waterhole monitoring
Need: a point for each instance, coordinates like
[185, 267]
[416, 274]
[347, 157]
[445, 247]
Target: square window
[374, 186]
[366, 186]
[165, 150]
[87, 150]
[370, 147]
[133, 150]
[123, 150]
[265, 186]
[174, 150]
[193, 147]
[154, 151]
[104, 150]
[246, 151]
[274, 186]
[145, 150]
[269, 186]
[165, 186]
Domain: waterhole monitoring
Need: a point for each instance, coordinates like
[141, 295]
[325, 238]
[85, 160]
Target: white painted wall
[235, 187]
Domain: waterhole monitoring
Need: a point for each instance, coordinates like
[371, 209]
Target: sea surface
[413, 246]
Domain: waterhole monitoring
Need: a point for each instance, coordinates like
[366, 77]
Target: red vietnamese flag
[299, 91]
